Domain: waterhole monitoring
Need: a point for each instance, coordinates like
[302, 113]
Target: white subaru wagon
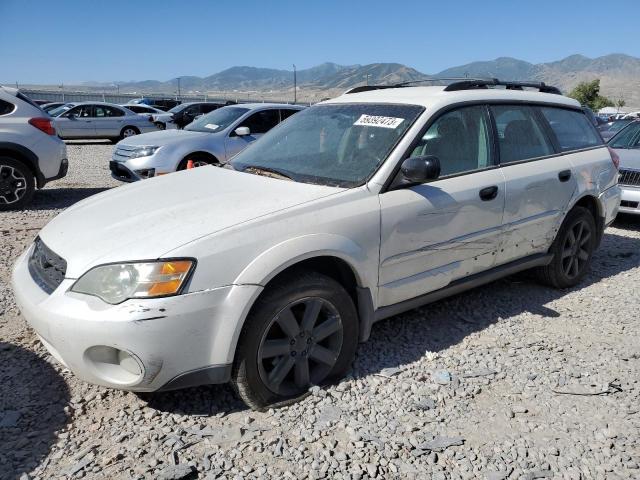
[267, 273]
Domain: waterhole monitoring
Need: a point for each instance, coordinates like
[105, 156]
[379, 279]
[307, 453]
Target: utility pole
[367, 77]
[179, 88]
[295, 85]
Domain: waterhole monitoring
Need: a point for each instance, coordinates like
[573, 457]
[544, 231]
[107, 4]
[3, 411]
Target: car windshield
[178, 108]
[625, 136]
[60, 110]
[217, 120]
[616, 126]
[337, 145]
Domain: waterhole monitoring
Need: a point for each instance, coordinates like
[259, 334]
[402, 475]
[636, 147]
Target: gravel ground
[512, 380]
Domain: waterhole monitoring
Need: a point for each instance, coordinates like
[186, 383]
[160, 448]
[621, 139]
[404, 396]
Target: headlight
[143, 152]
[116, 283]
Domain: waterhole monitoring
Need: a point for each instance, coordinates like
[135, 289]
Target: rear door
[108, 121]
[258, 123]
[539, 183]
[437, 232]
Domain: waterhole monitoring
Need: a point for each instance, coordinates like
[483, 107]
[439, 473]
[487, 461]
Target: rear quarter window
[572, 129]
[6, 107]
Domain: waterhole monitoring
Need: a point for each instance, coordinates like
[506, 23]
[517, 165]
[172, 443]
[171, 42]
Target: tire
[199, 160]
[572, 250]
[128, 131]
[17, 184]
[161, 126]
[278, 340]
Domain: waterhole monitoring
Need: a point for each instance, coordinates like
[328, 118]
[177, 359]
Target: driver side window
[81, 111]
[460, 139]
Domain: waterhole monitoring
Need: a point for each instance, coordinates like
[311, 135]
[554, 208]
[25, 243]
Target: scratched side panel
[435, 233]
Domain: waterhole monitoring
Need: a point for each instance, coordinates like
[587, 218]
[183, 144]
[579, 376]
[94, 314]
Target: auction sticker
[378, 121]
[211, 126]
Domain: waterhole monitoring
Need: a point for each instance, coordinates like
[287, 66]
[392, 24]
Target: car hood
[160, 138]
[629, 158]
[147, 219]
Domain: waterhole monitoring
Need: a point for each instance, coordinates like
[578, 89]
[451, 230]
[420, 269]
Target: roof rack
[464, 84]
[474, 84]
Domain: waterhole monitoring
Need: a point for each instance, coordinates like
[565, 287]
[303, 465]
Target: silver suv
[31, 154]
[211, 139]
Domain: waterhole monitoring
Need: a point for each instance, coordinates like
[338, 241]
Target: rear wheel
[572, 250]
[17, 184]
[160, 125]
[129, 132]
[301, 332]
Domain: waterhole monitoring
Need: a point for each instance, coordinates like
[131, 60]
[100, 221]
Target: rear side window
[209, 108]
[6, 107]
[572, 129]
[520, 136]
[284, 114]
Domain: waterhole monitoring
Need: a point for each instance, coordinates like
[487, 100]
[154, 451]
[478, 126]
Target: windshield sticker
[211, 126]
[378, 121]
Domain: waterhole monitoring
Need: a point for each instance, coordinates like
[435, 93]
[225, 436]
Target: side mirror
[242, 131]
[421, 169]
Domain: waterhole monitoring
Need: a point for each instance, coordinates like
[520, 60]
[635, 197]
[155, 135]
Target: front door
[76, 123]
[258, 123]
[449, 228]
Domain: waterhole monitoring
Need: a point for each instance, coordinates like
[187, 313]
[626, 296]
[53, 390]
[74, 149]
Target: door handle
[564, 175]
[489, 193]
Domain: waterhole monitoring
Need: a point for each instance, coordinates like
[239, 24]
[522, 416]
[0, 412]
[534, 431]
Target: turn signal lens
[170, 279]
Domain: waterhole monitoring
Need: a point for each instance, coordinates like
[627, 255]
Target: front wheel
[572, 250]
[302, 331]
[17, 184]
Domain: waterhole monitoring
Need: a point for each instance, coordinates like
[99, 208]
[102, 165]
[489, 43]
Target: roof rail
[469, 84]
[464, 84]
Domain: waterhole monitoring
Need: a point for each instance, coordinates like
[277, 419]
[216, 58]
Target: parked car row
[268, 272]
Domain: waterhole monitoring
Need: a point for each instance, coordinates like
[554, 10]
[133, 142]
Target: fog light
[146, 172]
[114, 365]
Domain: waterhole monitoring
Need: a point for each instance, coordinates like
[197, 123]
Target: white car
[31, 154]
[270, 271]
[626, 144]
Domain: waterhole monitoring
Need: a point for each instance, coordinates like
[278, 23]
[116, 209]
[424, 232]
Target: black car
[186, 113]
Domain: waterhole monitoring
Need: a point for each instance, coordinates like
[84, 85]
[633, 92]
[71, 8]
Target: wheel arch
[26, 156]
[197, 152]
[593, 204]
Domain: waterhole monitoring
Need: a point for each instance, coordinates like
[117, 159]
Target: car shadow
[54, 198]
[32, 400]
[405, 338]
[89, 142]
[627, 221]
[200, 401]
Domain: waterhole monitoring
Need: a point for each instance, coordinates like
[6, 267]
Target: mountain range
[619, 75]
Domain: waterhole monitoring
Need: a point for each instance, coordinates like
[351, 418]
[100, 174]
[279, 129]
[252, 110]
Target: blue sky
[70, 41]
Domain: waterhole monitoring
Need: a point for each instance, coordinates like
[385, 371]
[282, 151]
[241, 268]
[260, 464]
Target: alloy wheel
[13, 185]
[575, 253]
[300, 346]
[129, 132]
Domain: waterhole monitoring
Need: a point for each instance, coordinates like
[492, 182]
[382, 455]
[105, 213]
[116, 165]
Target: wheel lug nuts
[308, 341]
[292, 342]
[293, 354]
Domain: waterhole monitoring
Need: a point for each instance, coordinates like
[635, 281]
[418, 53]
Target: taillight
[615, 158]
[44, 125]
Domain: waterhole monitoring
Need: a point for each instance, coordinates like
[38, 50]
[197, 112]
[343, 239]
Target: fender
[30, 158]
[276, 259]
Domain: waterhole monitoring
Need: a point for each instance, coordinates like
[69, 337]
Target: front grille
[123, 153]
[629, 177]
[46, 267]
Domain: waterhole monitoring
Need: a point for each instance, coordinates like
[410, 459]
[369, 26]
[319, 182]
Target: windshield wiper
[268, 172]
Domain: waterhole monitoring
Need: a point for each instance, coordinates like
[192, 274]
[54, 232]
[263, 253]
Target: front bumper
[630, 200]
[139, 345]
